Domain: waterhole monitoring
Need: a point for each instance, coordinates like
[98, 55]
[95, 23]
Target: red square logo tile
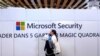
[18, 23]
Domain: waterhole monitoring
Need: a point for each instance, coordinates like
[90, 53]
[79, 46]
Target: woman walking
[52, 46]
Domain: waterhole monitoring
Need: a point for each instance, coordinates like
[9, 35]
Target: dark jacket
[49, 47]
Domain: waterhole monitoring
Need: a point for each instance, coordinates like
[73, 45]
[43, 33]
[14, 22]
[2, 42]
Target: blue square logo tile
[17, 27]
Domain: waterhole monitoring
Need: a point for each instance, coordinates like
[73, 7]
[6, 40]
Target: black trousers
[48, 49]
[50, 55]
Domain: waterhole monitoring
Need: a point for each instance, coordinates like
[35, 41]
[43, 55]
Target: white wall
[34, 46]
[87, 46]
[7, 43]
[49, 14]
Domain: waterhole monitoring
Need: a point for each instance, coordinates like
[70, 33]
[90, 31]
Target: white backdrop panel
[7, 43]
[87, 46]
[26, 46]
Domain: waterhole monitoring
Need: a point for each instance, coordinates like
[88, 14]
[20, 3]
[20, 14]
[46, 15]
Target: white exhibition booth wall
[22, 43]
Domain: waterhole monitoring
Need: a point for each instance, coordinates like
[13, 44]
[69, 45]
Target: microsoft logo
[20, 25]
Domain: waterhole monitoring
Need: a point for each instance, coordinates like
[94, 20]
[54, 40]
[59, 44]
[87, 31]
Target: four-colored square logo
[20, 25]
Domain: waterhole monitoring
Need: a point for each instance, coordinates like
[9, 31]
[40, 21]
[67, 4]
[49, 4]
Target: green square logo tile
[22, 23]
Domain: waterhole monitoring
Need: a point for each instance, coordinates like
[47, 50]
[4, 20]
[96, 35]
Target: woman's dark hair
[55, 33]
